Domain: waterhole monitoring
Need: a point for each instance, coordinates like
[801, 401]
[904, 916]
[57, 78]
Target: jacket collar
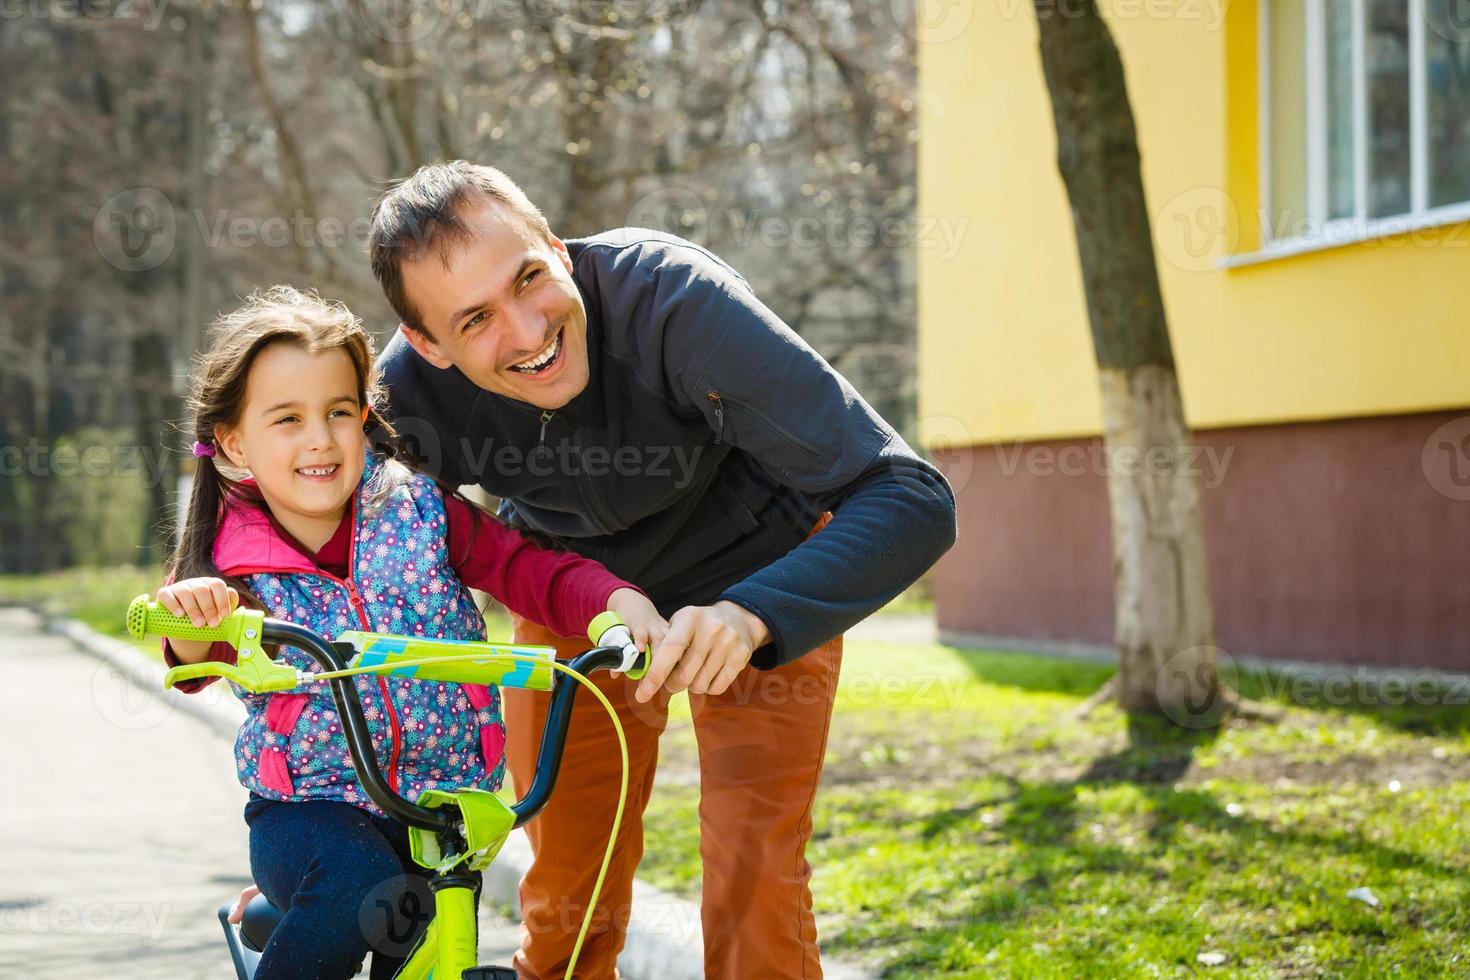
[249, 542]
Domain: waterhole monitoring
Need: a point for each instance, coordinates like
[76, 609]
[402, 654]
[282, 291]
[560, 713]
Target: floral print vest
[427, 735]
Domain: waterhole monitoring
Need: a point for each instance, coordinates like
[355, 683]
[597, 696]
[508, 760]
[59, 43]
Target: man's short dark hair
[422, 212]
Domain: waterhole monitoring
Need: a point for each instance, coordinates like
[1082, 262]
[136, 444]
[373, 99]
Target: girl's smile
[300, 435]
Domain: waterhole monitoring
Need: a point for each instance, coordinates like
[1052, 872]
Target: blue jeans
[346, 883]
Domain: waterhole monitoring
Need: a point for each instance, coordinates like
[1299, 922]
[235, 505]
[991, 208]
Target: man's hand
[706, 647]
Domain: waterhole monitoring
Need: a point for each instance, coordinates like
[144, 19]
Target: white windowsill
[1349, 231]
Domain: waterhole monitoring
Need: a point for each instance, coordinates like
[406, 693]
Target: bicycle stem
[333, 657]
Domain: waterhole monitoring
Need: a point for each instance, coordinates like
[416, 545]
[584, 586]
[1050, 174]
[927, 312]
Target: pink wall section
[1338, 542]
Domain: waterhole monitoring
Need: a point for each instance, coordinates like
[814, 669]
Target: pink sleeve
[560, 590]
[221, 651]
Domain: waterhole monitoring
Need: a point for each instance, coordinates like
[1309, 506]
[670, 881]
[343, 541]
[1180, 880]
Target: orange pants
[761, 746]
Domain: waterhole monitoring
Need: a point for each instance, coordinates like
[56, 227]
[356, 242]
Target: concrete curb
[215, 706]
[664, 940]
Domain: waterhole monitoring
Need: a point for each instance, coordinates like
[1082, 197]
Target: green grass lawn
[969, 826]
[96, 596]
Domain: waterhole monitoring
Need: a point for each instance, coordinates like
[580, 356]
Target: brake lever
[252, 670]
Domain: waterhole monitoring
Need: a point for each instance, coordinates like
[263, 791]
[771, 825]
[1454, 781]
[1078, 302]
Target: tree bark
[1165, 623]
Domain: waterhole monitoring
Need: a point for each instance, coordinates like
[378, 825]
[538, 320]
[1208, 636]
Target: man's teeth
[540, 360]
[317, 470]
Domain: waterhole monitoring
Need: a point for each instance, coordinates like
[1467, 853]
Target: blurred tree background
[165, 157]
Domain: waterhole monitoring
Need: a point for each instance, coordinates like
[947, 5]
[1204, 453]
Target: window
[1366, 117]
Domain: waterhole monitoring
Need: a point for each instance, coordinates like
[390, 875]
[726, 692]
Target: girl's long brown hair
[278, 315]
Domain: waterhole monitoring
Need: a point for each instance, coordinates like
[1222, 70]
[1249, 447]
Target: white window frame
[1328, 233]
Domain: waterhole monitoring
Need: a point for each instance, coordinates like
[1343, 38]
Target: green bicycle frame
[450, 944]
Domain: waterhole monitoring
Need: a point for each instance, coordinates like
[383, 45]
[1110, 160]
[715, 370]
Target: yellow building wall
[1005, 353]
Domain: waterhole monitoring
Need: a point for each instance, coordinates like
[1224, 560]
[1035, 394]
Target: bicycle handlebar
[247, 630]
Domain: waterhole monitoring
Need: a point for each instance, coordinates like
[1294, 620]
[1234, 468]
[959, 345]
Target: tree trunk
[1165, 624]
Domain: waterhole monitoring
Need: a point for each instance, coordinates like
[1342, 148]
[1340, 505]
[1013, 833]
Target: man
[628, 396]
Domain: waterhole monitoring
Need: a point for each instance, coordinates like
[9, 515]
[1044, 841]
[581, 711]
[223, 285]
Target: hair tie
[203, 449]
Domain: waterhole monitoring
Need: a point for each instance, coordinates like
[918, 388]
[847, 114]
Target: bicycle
[452, 832]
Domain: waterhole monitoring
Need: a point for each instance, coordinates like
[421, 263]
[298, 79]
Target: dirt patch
[894, 753]
[906, 757]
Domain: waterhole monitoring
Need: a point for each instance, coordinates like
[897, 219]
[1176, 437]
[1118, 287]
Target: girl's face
[300, 433]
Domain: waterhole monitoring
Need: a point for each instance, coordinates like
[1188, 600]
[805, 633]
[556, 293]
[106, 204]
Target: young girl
[293, 513]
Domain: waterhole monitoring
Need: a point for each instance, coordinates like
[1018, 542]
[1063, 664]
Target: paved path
[120, 826]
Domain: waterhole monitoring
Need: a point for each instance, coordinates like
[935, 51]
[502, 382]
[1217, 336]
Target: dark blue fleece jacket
[708, 442]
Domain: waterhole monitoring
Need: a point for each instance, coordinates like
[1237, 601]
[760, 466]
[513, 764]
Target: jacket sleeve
[763, 390]
[560, 590]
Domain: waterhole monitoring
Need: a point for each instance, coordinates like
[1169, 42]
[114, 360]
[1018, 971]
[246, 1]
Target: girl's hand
[644, 622]
[205, 601]
[237, 911]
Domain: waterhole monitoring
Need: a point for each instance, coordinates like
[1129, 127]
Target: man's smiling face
[502, 307]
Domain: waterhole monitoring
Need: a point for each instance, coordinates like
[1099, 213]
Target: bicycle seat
[259, 921]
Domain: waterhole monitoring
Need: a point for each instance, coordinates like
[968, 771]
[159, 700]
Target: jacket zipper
[585, 487]
[541, 450]
[718, 398]
[589, 490]
[395, 734]
[714, 397]
[354, 599]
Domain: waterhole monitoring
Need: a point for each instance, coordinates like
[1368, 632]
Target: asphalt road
[120, 825]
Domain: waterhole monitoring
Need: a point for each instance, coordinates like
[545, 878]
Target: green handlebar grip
[605, 621]
[241, 629]
[149, 618]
